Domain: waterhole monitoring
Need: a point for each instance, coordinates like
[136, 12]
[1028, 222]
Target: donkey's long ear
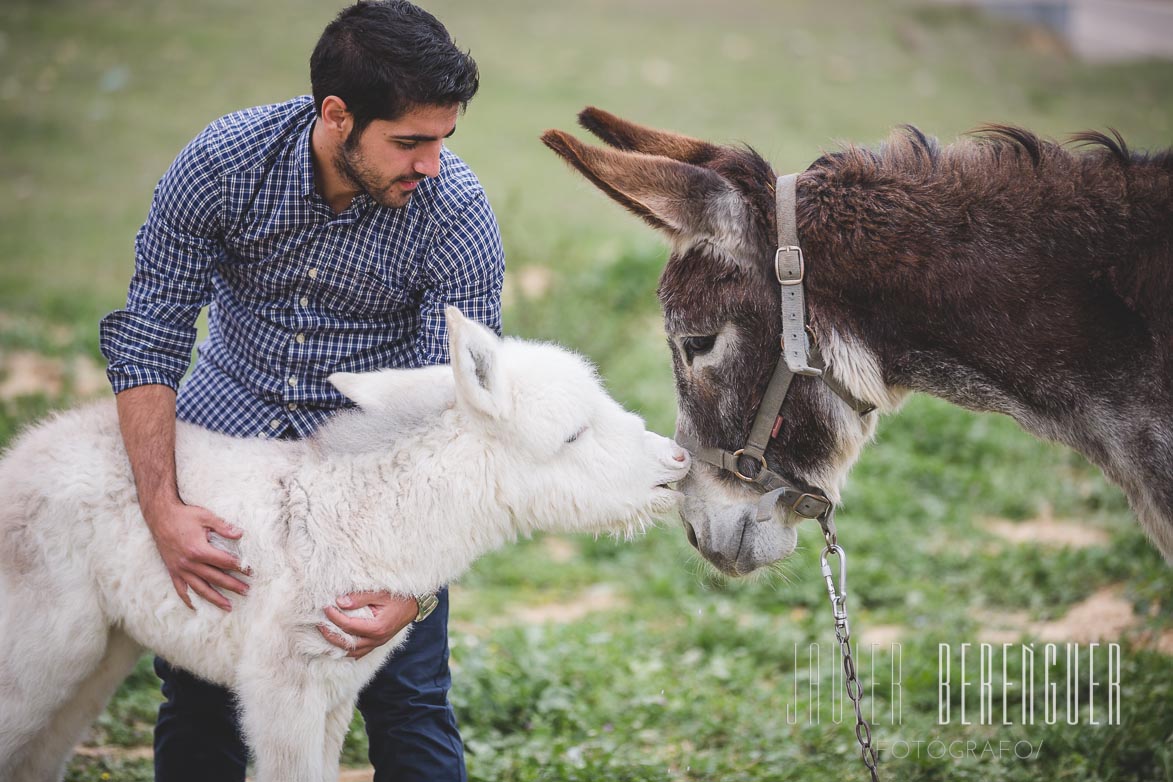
[683, 199]
[481, 383]
[631, 137]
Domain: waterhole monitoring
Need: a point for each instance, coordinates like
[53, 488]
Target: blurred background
[584, 659]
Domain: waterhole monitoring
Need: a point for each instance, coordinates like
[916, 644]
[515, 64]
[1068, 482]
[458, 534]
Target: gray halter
[798, 357]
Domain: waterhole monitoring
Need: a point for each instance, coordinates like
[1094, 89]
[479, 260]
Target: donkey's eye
[697, 346]
[574, 437]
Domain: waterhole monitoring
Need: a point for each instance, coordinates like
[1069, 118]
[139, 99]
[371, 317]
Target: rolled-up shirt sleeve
[466, 269]
[150, 341]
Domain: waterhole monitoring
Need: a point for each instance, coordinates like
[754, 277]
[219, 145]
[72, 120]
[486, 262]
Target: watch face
[427, 604]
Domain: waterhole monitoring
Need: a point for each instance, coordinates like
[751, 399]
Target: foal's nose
[668, 453]
[678, 459]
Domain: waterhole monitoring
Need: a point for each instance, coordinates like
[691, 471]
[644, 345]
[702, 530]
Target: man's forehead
[424, 123]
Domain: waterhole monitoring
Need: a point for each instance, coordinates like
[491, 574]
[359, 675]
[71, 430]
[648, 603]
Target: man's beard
[352, 167]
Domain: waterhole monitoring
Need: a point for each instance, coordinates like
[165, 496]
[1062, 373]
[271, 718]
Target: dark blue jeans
[410, 724]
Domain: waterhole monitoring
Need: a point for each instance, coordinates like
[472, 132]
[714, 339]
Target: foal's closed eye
[697, 346]
[574, 437]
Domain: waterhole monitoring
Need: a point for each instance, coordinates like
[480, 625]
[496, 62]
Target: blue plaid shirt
[296, 292]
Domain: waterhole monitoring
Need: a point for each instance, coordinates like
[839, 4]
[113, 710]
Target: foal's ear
[685, 200]
[631, 137]
[481, 383]
[372, 391]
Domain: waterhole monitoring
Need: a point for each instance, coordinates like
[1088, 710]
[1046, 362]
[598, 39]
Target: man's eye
[407, 145]
[697, 346]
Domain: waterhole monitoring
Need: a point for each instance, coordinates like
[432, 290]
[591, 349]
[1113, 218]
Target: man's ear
[336, 117]
[481, 384]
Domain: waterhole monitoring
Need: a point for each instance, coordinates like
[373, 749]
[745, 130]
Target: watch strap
[425, 605]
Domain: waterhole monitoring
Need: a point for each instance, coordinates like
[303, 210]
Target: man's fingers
[222, 560]
[204, 590]
[355, 651]
[336, 639]
[362, 649]
[360, 599]
[351, 624]
[221, 579]
[181, 590]
[221, 527]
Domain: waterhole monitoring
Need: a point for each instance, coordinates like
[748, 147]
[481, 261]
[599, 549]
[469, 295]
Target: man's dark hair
[386, 57]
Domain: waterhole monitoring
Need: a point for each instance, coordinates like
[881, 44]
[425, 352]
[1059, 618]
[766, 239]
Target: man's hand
[391, 614]
[181, 535]
[146, 416]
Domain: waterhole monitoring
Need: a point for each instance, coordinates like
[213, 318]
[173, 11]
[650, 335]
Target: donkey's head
[721, 306]
[538, 433]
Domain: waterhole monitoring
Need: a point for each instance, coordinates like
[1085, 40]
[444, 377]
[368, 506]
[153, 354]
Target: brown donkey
[1002, 273]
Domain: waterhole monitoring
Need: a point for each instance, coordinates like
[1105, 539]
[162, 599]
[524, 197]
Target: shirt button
[300, 339]
[304, 301]
[274, 424]
[293, 381]
[291, 406]
[312, 273]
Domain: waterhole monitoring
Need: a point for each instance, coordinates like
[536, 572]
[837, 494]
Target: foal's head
[722, 316]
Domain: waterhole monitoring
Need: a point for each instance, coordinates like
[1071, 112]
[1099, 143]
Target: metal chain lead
[863, 731]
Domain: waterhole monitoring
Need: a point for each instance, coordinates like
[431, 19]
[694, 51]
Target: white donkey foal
[438, 466]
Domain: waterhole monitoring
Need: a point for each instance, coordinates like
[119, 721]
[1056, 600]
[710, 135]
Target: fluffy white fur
[437, 467]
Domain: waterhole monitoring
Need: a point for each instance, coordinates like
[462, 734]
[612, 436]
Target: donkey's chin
[734, 542]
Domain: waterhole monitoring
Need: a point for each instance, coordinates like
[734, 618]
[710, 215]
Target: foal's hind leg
[41, 670]
[50, 750]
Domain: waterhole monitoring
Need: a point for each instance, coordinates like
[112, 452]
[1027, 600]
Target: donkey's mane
[990, 150]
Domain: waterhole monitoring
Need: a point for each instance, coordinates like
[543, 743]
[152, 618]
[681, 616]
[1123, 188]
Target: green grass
[689, 675]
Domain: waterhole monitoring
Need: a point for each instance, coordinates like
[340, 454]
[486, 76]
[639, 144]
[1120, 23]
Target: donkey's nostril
[679, 455]
[691, 533]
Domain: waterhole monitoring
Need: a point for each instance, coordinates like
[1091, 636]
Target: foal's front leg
[286, 742]
[283, 713]
[337, 723]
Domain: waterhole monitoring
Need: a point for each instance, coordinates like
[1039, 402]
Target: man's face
[389, 158]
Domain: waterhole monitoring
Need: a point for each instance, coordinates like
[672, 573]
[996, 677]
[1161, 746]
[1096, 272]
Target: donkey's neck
[995, 309]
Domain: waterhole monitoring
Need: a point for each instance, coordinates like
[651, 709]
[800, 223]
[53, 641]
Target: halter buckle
[737, 469]
[817, 498]
[789, 265]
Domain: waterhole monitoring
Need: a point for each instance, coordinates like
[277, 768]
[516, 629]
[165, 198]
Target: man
[325, 234]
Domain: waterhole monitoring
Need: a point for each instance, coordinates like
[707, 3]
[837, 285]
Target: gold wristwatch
[425, 605]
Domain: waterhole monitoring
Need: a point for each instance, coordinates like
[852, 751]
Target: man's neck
[329, 183]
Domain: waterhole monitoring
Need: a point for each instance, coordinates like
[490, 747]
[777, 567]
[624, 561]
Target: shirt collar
[304, 160]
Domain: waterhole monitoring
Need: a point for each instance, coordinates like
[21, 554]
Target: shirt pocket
[367, 291]
[268, 278]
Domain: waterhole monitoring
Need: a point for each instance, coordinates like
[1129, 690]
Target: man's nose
[428, 164]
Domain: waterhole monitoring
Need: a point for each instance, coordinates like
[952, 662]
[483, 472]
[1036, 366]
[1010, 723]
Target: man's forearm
[146, 415]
